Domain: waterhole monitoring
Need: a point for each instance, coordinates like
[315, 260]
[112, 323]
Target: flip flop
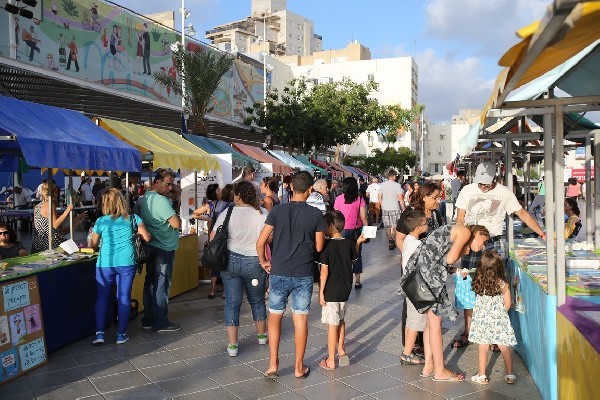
[453, 378]
[323, 364]
[344, 361]
[422, 375]
[510, 379]
[462, 341]
[271, 375]
[305, 375]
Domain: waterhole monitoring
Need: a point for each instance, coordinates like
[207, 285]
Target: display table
[67, 295]
[185, 271]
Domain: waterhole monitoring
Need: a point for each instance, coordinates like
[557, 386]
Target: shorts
[390, 218]
[414, 321]
[334, 312]
[374, 208]
[281, 287]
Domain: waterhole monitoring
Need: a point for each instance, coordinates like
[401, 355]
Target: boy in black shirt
[335, 285]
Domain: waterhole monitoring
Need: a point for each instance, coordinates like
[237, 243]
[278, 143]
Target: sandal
[323, 364]
[454, 377]
[494, 348]
[462, 341]
[481, 379]
[358, 285]
[510, 379]
[411, 359]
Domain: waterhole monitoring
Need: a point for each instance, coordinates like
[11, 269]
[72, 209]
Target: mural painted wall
[102, 43]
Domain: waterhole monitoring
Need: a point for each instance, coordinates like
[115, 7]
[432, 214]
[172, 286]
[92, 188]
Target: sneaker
[262, 338]
[146, 326]
[232, 350]
[122, 338]
[170, 327]
[99, 338]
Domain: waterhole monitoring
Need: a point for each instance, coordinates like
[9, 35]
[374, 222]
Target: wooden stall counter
[185, 271]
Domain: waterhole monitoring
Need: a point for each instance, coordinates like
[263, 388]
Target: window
[436, 167]
[371, 77]
[369, 140]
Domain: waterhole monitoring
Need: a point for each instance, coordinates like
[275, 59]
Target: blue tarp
[51, 137]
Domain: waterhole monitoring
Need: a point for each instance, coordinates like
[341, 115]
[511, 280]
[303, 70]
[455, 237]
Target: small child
[491, 324]
[415, 222]
[335, 286]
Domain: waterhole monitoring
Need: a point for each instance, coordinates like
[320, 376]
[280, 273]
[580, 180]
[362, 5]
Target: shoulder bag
[417, 290]
[215, 250]
[140, 247]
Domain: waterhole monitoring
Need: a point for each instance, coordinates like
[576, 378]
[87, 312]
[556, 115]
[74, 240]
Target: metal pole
[422, 164]
[12, 34]
[50, 205]
[265, 62]
[596, 189]
[549, 202]
[70, 188]
[510, 232]
[183, 49]
[589, 217]
[559, 194]
[527, 180]
[127, 195]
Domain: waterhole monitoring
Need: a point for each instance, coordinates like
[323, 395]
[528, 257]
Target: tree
[380, 161]
[201, 70]
[303, 116]
[393, 118]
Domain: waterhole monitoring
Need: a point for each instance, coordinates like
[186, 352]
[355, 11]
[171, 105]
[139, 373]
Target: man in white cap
[484, 202]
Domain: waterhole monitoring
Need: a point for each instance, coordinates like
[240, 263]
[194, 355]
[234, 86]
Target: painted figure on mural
[50, 64]
[104, 39]
[113, 41]
[72, 55]
[62, 50]
[31, 40]
[17, 35]
[54, 12]
[139, 51]
[146, 57]
[94, 11]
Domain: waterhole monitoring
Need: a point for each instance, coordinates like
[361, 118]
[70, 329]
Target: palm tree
[202, 70]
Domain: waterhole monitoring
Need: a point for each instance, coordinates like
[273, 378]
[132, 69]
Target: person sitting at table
[9, 245]
[116, 260]
[573, 225]
[22, 197]
[42, 223]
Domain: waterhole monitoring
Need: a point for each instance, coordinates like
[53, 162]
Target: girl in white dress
[490, 324]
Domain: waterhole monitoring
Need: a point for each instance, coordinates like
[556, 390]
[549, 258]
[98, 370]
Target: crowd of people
[284, 237]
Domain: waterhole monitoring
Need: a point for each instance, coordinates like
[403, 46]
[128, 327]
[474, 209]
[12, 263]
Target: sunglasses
[4, 233]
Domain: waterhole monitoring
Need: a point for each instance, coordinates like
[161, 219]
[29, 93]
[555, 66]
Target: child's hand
[465, 272]
[266, 265]
[361, 239]
[322, 299]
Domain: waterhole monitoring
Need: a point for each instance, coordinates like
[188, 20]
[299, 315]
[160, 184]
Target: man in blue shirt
[163, 223]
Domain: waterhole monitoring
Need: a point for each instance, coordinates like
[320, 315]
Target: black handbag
[141, 250]
[215, 250]
[418, 291]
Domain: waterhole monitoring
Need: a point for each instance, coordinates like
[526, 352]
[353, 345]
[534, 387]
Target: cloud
[485, 25]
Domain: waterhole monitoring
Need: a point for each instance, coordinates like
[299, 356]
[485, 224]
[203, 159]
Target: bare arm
[142, 230]
[175, 221]
[363, 216]
[200, 211]
[95, 241]
[400, 240]
[459, 236]
[379, 198]
[401, 200]
[319, 241]
[506, 297]
[530, 222]
[322, 281]
[460, 216]
[263, 238]
[22, 252]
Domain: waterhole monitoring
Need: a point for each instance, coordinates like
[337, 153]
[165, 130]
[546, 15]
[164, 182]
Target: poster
[22, 344]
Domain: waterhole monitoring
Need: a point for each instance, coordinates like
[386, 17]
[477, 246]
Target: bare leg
[507, 356]
[213, 286]
[275, 335]
[428, 367]
[341, 338]
[356, 278]
[434, 324]
[482, 358]
[300, 335]
[409, 341]
[232, 334]
[468, 318]
[332, 341]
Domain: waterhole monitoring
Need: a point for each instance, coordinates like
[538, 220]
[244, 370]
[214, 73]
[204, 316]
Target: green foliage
[533, 174]
[70, 8]
[378, 162]
[392, 118]
[155, 34]
[519, 172]
[203, 71]
[304, 116]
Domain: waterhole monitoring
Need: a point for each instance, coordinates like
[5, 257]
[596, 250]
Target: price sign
[15, 295]
[32, 353]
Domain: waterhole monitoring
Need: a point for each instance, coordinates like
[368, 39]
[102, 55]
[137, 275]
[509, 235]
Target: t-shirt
[351, 211]
[338, 255]
[86, 190]
[541, 188]
[245, 225]
[116, 247]
[12, 251]
[389, 191]
[373, 192]
[411, 244]
[455, 185]
[487, 209]
[315, 199]
[155, 210]
[294, 227]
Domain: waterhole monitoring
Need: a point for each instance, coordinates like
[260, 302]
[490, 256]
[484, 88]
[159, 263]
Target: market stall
[306, 161]
[216, 146]
[291, 161]
[50, 137]
[271, 163]
[554, 343]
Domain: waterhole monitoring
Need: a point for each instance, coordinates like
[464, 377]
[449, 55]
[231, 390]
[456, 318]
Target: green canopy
[216, 146]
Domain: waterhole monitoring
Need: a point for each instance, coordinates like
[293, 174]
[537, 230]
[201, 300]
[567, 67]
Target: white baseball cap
[485, 173]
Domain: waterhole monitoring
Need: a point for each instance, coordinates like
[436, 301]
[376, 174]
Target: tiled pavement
[193, 363]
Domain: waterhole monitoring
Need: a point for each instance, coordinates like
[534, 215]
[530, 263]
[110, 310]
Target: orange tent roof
[263, 157]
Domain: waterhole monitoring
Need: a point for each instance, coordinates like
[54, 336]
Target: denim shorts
[281, 287]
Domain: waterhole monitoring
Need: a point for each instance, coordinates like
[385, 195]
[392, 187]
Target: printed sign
[32, 354]
[9, 361]
[15, 296]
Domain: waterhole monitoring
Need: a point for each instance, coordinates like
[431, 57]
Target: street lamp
[190, 30]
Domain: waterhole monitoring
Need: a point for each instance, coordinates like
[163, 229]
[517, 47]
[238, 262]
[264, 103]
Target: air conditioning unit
[442, 136]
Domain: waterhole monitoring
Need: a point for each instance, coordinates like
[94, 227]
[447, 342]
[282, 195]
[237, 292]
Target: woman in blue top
[116, 260]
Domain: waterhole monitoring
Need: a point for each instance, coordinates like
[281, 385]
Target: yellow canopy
[581, 28]
[169, 149]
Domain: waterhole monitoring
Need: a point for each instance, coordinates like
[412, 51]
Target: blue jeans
[281, 287]
[241, 271]
[106, 277]
[442, 211]
[357, 267]
[159, 272]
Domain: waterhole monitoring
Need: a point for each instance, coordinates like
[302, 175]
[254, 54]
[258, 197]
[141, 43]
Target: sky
[456, 43]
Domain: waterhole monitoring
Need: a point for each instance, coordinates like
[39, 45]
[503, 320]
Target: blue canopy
[216, 146]
[51, 137]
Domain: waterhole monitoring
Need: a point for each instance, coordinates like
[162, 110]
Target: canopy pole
[195, 189]
[596, 189]
[70, 188]
[589, 214]
[127, 195]
[549, 204]
[559, 191]
[110, 180]
[510, 226]
[50, 205]
[527, 180]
